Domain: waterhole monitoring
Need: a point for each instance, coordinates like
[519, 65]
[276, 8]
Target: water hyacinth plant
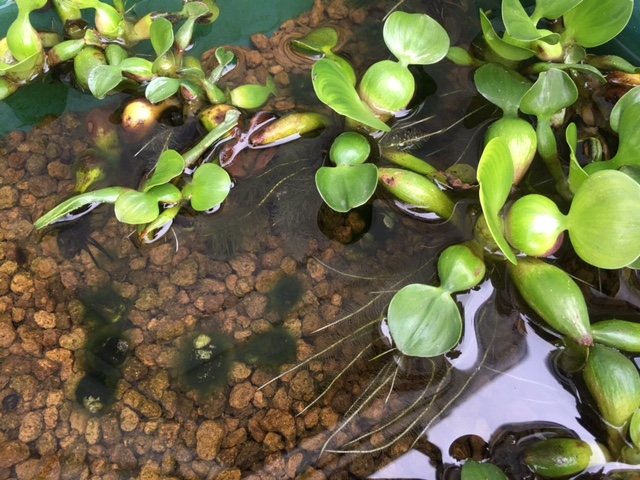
[536, 73]
[527, 194]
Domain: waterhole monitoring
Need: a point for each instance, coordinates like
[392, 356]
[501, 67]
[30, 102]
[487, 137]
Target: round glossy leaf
[520, 26]
[594, 22]
[424, 321]
[553, 91]
[614, 383]
[161, 36]
[165, 193]
[103, 79]
[135, 207]
[495, 176]
[210, 186]
[502, 87]
[344, 188]
[136, 66]
[415, 39]
[320, 40]
[335, 89]
[161, 88]
[349, 148]
[604, 220]
[169, 166]
[253, 96]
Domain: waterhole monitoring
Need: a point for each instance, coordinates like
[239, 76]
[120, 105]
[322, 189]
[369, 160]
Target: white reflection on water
[528, 392]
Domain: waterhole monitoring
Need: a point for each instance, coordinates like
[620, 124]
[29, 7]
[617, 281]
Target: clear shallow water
[218, 279]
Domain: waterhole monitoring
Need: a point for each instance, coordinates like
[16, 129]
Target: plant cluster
[105, 63]
[538, 73]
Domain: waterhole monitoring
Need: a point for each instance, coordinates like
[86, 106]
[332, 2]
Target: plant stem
[548, 149]
[230, 121]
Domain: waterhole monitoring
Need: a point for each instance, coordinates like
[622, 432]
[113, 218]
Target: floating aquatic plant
[351, 183]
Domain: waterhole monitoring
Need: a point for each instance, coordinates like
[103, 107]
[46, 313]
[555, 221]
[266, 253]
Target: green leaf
[210, 186]
[628, 142]
[520, 138]
[347, 187]
[115, 54]
[472, 470]
[320, 40]
[578, 67]
[498, 45]
[553, 91]
[517, 22]
[495, 176]
[576, 174]
[604, 220]
[594, 22]
[502, 87]
[136, 66]
[169, 166]
[161, 88]
[103, 79]
[553, 9]
[334, 89]
[415, 39]
[194, 9]
[161, 36]
[424, 321]
[630, 98]
[253, 96]
[135, 208]
[105, 195]
[165, 193]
